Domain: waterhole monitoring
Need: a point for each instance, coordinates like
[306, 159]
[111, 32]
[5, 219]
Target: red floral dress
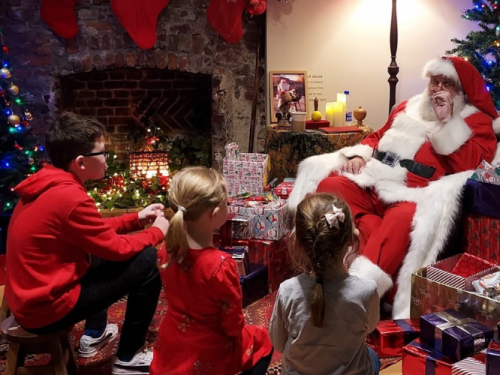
[203, 331]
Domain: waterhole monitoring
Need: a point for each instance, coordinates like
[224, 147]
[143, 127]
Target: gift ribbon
[430, 360]
[407, 328]
[478, 336]
[450, 321]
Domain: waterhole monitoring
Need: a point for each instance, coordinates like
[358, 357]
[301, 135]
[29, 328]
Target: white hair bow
[333, 219]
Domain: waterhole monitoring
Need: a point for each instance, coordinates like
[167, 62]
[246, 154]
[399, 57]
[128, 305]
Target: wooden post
[393, 67]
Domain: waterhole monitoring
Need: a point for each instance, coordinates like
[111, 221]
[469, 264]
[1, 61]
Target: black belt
[391, 159]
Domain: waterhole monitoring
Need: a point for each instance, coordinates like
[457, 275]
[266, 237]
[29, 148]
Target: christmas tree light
[20, 155]
[481, 48]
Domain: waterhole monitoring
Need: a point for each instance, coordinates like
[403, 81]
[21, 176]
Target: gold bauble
[5, 73]
[13, 89]
[14, 120]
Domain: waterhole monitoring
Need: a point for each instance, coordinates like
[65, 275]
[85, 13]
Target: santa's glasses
[445, 84]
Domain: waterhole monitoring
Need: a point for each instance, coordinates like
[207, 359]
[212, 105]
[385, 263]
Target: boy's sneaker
[138, 365]
[89, 346]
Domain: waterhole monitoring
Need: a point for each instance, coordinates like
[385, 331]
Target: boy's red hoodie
[54, 229]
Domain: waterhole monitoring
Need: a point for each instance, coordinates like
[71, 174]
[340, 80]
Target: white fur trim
[363, 268]
[364, 151]
[496, 126]
[451, 136]
[316, 168]
[440, 66]
[437, 210]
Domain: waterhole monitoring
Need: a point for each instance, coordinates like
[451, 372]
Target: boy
[66, 263]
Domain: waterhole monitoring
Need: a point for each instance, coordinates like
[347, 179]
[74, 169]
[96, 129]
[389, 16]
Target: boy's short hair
[70, 136]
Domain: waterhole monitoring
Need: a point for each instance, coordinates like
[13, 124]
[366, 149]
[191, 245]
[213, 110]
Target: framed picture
[293, 81]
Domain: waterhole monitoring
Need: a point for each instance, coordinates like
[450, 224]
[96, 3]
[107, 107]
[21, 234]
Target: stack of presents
[455, 302]
[257, 230]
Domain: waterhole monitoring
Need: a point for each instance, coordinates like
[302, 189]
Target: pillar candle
[329, 112]
[342, 98]
[338, 114]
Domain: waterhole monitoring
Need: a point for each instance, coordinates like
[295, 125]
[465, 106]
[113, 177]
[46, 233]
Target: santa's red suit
[407, 197]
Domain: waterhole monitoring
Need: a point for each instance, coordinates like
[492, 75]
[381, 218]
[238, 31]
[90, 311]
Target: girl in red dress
[203, 331]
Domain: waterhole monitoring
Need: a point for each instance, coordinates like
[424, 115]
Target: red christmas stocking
[138, 17]
[59, 15]
[225, 17]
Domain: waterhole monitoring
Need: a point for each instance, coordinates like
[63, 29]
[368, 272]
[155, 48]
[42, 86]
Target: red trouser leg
[389, 244]
[359, 200]
[384, 229]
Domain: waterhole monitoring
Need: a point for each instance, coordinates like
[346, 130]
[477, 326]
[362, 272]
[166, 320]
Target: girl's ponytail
[176, 237]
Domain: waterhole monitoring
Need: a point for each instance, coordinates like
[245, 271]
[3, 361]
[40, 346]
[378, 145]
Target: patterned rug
[257, 313]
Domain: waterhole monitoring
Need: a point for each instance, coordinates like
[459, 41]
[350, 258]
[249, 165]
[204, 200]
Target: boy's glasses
[105, 153]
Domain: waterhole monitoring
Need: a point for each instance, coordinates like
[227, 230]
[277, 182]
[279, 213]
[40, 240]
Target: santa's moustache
[427, 111]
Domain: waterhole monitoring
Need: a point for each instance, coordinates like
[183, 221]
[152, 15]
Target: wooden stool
[57, 344]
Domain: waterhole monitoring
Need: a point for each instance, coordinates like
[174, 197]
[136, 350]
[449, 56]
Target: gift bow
[333, 219]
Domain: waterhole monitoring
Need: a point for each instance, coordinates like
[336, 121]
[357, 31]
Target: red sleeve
[125, 223]
[373, 139]
[87, 230]
[480, 146]
[225, 284]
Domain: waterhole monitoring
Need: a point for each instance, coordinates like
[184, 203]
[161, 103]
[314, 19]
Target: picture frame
[287, 80]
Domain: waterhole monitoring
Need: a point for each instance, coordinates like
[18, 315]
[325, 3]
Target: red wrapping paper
[274, 254]
[390, 336]
[469, 265]
[419, 359]
[482, 237]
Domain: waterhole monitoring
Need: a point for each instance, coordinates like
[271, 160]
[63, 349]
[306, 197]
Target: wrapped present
[271, 219]
[454, 335]
[486, 173]
[254, 285]
[481, 199]
[429, 296]
[488, 285]
[493, 358]
[284, 189]
[390, 336]
[232, 150]
[273, 254]
[237, 227]
[420, 359]
[481, 237]
[468, 366]
[247, 174]
[240, 256]
[459, 271]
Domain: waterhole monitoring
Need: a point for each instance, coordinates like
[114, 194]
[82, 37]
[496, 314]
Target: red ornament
[2, 93]
[5, 49]
[256, 7]
[25, 123]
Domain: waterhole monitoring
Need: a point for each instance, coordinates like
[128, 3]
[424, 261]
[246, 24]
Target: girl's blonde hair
[192, 191]
[316, 245]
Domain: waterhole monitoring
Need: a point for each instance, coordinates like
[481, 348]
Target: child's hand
[162, 224]
[149, 214]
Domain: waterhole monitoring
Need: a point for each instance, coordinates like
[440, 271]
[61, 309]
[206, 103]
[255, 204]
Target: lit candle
[342, 98]
[338, 114]
[329, 112]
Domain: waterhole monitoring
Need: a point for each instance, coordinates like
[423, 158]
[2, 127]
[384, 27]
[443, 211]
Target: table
[287, 149]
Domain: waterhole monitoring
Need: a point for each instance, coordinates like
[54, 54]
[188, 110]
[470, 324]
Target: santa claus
[404, 182]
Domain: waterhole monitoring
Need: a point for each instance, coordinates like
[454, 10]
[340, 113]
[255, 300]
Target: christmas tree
[482, 48]
[20, 154]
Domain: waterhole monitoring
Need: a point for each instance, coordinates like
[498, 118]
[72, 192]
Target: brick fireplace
[176, 102]
[104, 74]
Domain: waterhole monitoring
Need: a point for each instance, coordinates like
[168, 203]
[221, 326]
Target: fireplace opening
[142, 106]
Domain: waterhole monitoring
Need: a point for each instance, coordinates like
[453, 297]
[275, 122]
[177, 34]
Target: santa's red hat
[470, 81]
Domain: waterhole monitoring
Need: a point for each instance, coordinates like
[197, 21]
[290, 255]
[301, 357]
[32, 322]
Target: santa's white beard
[427, 111]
